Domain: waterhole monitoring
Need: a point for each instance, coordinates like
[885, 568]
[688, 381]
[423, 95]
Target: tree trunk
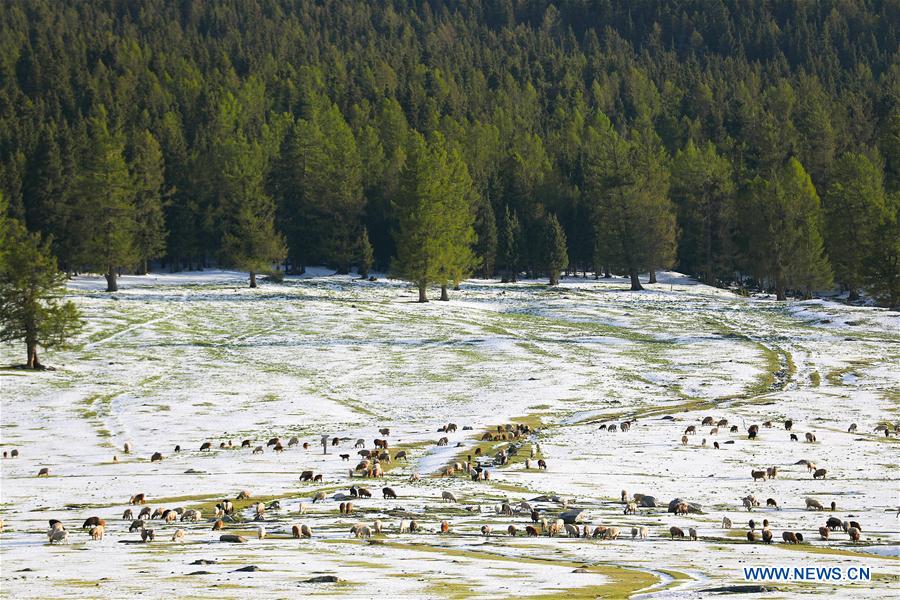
[111, 284]
[444, 296]
[33, 361]
[779, 293]
[252, 279]
[606, 273]
[142, 269]
[652, 276]
[422, 296]
[554, 277]
[635, 281]
[854, 295]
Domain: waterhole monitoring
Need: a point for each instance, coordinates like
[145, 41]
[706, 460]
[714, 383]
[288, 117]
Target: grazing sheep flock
[643, 478]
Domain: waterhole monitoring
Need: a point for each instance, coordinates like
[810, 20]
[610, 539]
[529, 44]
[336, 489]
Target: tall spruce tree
[634, 222]
[881, 268]
[104, 201]
[854, 204]
[557, 255]
[148, 176]
[32, 309]
[702, 190]
[782, 223]
[510, 238]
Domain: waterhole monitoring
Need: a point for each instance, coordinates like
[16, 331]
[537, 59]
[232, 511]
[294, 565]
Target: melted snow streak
[186, 358]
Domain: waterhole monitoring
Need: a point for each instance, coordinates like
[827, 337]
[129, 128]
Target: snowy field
[185, 359]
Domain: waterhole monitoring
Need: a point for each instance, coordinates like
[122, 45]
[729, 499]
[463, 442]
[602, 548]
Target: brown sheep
[819, 474]
[767, 536]
[810, 437]
[772, 472]
[813, 504]
[682, 508]
[45, 472]
[734, 429]
[531, 531]
[758, 475]
[854, 534]
[631, 508]
[599, 531]
[258, 450]
[147, 535]
[707, 421]
[363, 492]
[823, 533]
[676, 532]
[295, 532]
[92, 522]
[218, 525]
[789, 537]
[542, 464]
[127, 515]
[97, 532]
[157, 456]
[770, 502]
[722, 423]
[145, 513]
[692, 533]
[308, 475]
[388, 493]
[305, 531]
[684, 440]
[751, 536]
[445, 527]
[205, 446]
[137, 499]
[690, 430]
[512, 531]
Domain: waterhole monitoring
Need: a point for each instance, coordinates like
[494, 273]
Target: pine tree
[509, 245]
[881, 268]
[782, 220]
[250, 241]
[435, 235]
[557, 256]
[366, 255]
[486, 236]
[31, 292]
[147, 172]
[104, 201]
[702, 189]
[635, 226]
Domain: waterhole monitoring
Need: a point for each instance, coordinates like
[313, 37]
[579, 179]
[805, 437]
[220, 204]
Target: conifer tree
[366, 255]
[510, 234]
[557, 255]
[31, 290]
[147, 172]
[105, 201]
[854, 207]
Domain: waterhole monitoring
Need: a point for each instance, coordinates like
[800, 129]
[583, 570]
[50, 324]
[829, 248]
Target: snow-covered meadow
[189, 358]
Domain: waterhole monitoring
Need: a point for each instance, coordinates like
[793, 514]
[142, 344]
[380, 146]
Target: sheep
[788, 424]
[714, 431]
[135, 525]
[854, 534]
[611, 534]
[813, 504]
[320, 496]
[682, 508]
[733, 429]
[445, 527]
[716, 445]
[305, 531]
[767, 536]
[772, 472]
[823, 533]
[749, 502]
[147, 535]
[852, 428]
[692, 533]
[691, 430]
[707, 421]
[178, 536]
[58, 534]
[810, 437]
[92, 522]
[293, 441]
[751, 536]
[260, 532]
[44, 472]
[789, 537]
[205, 446]
[531, 531]
[572, 530]
[137, 499]
[752, 525]
[244, 495]
[512, 531]
[726, 523]
[384, 431]
[820, 473]
[218, 525]
[684, 440]
[388, 493]
[156, 457]
[722, 423]
[758, 475]
[542, 464]
[631, 508]
[639, 531]
[273, 441]
[810, 466]
[145, 513]
[624, 496]
[97, 532]
[363, 492]
[192, 515]
[258, 450]
[415, 477]
[486, 530]
[128, 515]
[752, 432]
[170, 516]
[794, 437]
[676, 532]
